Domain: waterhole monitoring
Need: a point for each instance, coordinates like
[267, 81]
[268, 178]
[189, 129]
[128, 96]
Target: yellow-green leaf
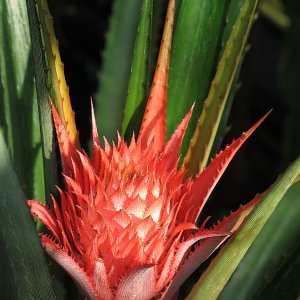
[207, 126]
[60, 90]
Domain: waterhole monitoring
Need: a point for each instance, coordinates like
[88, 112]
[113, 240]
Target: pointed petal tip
[193, 106]
[154, 120]
[94, 124]
[256, 125]
[54, 111]
[44, 214]
[207, 179]
[172, 148]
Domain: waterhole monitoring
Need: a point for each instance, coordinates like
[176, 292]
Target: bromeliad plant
[125, 224]
[127, 220]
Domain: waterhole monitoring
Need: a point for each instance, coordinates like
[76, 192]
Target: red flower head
[125, 225]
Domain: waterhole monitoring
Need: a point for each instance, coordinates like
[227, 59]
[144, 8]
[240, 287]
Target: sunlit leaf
[269, 252]
[231, 17]
[193, 59]
[207, 126]
[59, 89]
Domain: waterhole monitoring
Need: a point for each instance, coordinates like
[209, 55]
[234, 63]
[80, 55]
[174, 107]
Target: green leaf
[219, 272]
[272, 247]
[43, 92]
[24, 273]
[193, 59]
[110, 100]
[285, 285]
[232, 14]
[18, 102]
[139, 81]
[208, 123]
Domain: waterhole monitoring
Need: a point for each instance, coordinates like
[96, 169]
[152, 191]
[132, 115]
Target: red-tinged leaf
[194, 260]
[66, 146]
[71, 266]
[139, 285]
[157, 101]
[207, 247]
[183, 249]
[205, 182]
[167, 266]
[182, 227]
[44, 214]
[173, 146]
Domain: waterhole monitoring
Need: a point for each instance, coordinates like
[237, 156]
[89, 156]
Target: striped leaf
[24, 272]
[19, 117]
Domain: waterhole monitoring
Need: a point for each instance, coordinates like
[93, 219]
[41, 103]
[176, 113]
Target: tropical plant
[130, 222]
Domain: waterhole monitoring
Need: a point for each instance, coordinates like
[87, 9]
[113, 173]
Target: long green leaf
[43, 92]
[285, 285]
[43, 85]
[214, 279]
[110, 100]
[274, 244]
[18, 102]
[208, 123]
[232, 14]
[197, 35]
[23, 270]
[139, 81]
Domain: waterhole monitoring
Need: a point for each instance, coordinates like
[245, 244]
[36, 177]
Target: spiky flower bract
[125, 226]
